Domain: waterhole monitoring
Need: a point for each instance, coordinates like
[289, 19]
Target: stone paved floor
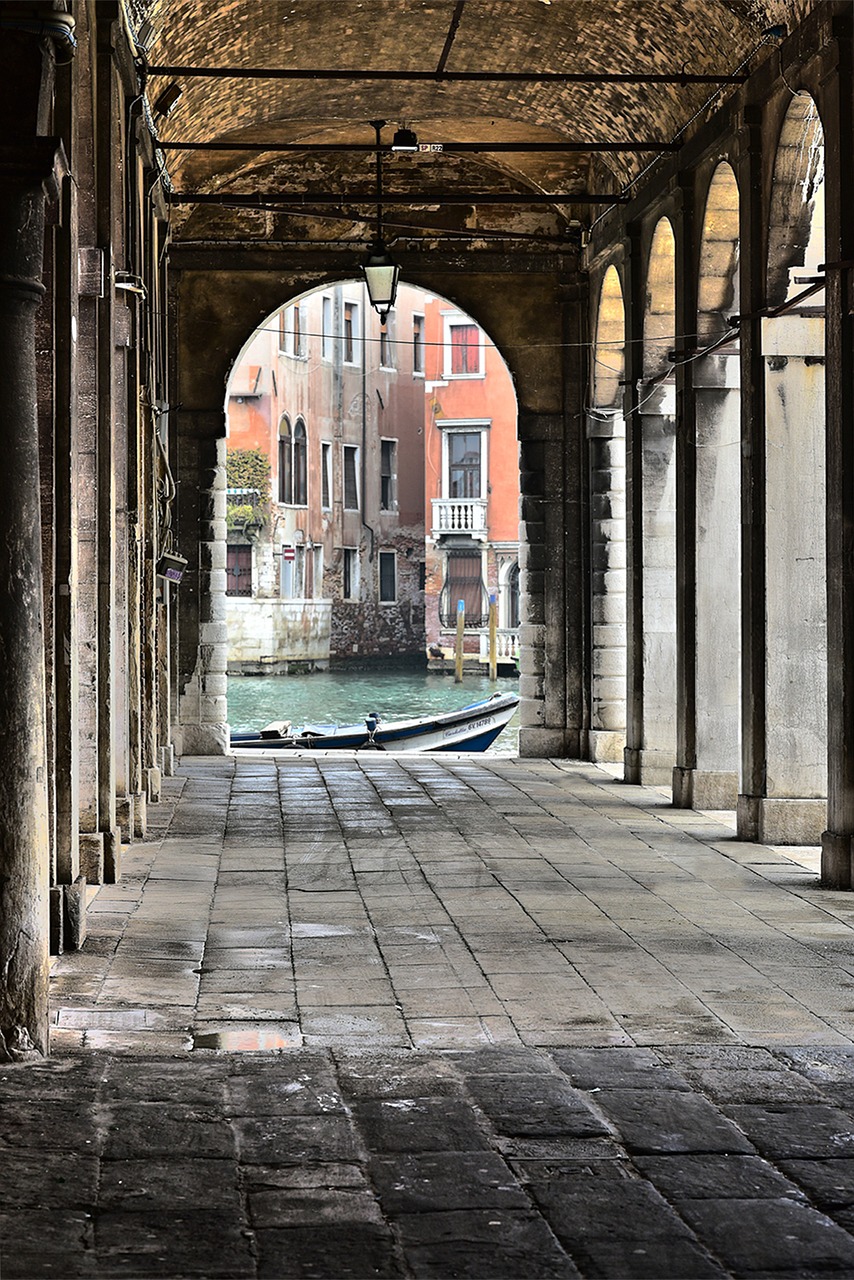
[435, 1018]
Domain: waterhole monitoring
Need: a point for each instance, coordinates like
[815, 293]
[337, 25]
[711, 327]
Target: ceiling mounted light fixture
[404, 140]
[380, 270]
[168, 100]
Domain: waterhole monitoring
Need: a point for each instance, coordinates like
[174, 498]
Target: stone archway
[218, 297]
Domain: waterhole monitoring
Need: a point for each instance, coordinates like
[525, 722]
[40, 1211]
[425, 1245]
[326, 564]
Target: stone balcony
[459, 516]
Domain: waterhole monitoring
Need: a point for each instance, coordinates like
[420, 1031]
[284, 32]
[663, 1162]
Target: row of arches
[689, 517]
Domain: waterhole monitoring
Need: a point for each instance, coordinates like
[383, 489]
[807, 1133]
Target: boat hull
[474, 728]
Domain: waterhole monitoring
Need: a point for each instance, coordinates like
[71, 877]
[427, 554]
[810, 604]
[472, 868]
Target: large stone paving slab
[487, 1018]
[471, 1163]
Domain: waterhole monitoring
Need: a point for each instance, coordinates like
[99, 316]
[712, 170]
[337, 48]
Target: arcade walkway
[488, 1018]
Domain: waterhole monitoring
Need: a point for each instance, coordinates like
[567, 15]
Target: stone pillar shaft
[24, 852]
[837, 859]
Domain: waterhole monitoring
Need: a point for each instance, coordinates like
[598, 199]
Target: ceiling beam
[681, 78]
[262, 199]
[449, 148]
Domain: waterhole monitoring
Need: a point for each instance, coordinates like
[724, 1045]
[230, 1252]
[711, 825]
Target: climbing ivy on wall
[247, 469]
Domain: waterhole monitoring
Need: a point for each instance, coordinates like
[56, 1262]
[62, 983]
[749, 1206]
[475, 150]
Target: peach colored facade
[471, 484]
[363, 430]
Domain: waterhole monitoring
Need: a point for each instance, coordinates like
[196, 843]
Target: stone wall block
[531, 686]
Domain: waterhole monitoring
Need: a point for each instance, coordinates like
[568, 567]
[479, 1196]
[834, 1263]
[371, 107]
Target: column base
[605, 746]
[704, 789]
[125, 817]
[548, 744]
[648, 767]
[74, 896]
[167, 761]
[201, 739]
[837, 861]
[92, 856]
[112, 856]
[153, 782]
[140, 815]
[769, 820]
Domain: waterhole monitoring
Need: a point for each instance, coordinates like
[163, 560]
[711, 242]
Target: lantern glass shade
[381, 276]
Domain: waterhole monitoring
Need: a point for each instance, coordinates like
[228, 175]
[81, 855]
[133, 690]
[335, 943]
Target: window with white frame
[317, 573]
[417, 344]
[292, 331]
[463, 347]
[350, 585]
[352, 333]
[326, 334]
[293, 463]
[464, 459]
[351, 477]
[388, 475]
[387, 343]
[293, 573]
[388, 577]
[325, 475]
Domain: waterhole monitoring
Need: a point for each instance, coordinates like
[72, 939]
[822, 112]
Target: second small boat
[473, 728]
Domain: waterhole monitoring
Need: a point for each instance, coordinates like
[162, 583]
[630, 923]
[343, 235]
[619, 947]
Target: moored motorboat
[472, 728]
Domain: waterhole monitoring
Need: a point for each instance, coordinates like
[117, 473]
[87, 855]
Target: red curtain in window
[465, 349]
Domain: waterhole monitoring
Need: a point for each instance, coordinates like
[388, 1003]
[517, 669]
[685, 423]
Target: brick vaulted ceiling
[317, 191]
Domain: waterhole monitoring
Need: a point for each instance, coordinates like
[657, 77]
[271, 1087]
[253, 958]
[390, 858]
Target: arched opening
[657, 412]
[716, 381]
[793, 345]
[606, 432]
[394, 483]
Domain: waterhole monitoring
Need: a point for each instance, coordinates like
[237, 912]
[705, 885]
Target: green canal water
[334, 697]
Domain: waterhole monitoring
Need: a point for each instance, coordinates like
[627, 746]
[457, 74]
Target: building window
[463, 349]
[293, 573]
[351, 333]
[464, 464]
[351, 574]
[386, 345]
[388, 474]
[417, 344]
[388, 577]
[292, 331]
[326, 329]
[351, 478]
[326, 476]
[317, 573]
[293, 464]
[300, 465]
[464, 581]
[286, 475]
[238, 562]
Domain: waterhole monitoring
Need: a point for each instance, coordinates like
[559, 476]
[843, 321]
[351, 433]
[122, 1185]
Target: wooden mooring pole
[461, 626]
[493, 638]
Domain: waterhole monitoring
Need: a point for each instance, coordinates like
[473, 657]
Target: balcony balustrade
[459, 516]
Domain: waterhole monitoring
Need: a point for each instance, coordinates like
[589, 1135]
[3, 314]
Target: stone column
[752, 300]
[202, 727]
[686, 502]
[837, 104]
[25, 173]
[634, 304]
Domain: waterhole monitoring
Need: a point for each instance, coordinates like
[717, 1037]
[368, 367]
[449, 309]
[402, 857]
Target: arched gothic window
[286, 474]
[293, 463]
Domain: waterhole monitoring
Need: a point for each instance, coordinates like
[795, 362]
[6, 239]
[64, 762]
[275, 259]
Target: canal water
[336, 697]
